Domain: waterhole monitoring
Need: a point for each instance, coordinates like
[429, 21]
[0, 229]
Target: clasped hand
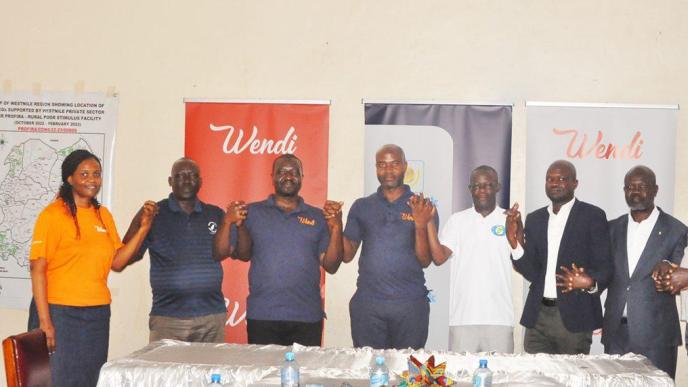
[574, 279]
[422, 209]
[148, 213]
[236, 212]
[669, 277]
[332, 211]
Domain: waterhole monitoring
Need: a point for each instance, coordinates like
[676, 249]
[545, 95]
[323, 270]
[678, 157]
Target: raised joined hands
[422, 209]
[236, 212]
[332, 211]
[148, 213]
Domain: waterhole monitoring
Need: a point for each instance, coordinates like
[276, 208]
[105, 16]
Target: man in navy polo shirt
[187, 282]
[390, 307]
[286, 241]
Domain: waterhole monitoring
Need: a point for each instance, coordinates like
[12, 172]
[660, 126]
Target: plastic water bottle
[290, 371]
[215, 380]
[482, 377]
[379, 374]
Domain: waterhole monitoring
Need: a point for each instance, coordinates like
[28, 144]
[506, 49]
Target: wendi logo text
[582, 148]
[306, 221]
[256, 145]
[407, 217]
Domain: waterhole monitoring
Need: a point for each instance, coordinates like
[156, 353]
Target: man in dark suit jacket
[638, 318]
[562, 309]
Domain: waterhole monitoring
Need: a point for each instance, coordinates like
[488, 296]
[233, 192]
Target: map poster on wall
[37, 131]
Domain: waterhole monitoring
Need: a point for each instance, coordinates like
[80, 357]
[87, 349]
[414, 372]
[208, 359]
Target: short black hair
[486, 169]
[642, 170]
[393, 147]
[566, 164]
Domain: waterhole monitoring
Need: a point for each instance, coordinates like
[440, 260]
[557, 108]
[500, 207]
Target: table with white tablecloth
[177, 363]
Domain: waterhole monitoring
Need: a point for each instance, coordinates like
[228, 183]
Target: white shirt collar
[563, 210]
[496, 210]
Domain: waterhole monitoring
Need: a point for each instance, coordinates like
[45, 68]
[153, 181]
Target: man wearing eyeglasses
[481, 316]
[188, 304]
[639, 317]
[564, 252]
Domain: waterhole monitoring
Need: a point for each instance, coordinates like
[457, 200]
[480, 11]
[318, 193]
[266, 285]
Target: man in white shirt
[563, 307]
[481, 316]
[638, 318]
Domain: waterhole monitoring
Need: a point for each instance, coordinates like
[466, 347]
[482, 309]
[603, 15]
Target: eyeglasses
[638, 188]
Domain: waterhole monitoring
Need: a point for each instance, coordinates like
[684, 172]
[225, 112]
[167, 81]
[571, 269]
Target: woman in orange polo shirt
[75, 244]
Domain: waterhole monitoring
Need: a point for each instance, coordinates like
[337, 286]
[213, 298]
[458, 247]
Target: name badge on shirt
[407, 217]
[100, 229]
[306, 221]
[498, 230]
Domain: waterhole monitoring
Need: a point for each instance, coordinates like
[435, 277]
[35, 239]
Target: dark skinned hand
[236, 212]
[669, 277]
[573, 279]
[332, 211]
[514, 226]
[421, 209]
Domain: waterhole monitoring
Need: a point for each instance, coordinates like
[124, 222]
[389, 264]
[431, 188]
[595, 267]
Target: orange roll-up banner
[234, 144]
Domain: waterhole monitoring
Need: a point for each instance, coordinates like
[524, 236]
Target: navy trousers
[389, 324]
[81, 343]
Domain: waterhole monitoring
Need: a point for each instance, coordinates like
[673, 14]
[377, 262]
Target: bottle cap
[215, 378]
[289, 356]
[483, 363]
[380, 360]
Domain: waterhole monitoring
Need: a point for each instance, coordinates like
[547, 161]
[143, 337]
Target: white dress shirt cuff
[592, 290]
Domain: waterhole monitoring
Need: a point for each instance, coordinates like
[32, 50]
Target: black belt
[624, 320]
[549, 301]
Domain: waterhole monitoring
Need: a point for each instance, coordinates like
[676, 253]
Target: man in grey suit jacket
[638, 318]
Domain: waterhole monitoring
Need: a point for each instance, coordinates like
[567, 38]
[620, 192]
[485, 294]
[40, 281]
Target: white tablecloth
[176, 363]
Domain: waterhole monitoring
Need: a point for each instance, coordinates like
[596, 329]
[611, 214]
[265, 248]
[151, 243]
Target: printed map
[30, 178]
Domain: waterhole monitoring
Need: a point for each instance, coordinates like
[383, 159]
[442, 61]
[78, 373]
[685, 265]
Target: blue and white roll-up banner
[603, 141]
[443, 143]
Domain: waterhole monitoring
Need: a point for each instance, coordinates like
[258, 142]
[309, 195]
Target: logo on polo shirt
[100, 229]
[212, 227]
[498, 230]
[407, 217]
[306, 221]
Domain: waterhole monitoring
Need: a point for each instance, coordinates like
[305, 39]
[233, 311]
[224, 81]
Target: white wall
[155, 53]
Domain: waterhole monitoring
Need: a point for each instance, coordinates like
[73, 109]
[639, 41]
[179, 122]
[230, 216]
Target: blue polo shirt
[387, 268]
[284, 277]
[186, 280]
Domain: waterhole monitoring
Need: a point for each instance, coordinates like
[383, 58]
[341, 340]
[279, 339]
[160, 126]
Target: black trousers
[284, 332]
[551, 336]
